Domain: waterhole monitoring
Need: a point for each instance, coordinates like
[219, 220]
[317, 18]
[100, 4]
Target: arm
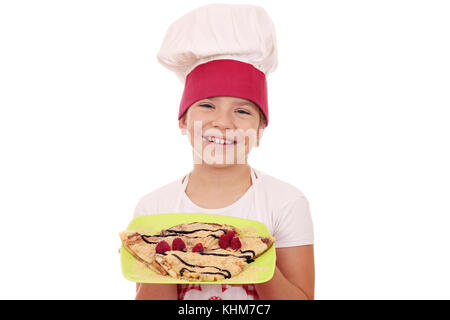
[146, 291]
[293, 278]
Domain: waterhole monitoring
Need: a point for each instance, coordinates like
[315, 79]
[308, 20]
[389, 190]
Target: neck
[233, 177]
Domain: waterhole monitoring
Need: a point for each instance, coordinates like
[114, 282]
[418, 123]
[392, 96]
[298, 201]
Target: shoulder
[158, 199]
[166, 191]
[291, 222]
[278, 191]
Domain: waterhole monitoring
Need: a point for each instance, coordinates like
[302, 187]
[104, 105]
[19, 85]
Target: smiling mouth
[219, 141]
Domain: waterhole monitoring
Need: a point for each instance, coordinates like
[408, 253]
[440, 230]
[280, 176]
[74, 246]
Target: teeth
[218, 140]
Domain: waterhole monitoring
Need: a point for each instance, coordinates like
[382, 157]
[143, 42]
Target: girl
[222, 54]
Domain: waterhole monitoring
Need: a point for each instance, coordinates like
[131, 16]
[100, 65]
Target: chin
[222, 165]
[203, 156]
[212, 163]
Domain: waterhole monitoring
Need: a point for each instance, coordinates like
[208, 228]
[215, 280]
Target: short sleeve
[144, 206]
[293, 224]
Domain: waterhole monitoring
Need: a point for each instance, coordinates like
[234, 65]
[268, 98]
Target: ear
[182, 124]
[261, 127]
[259, 135]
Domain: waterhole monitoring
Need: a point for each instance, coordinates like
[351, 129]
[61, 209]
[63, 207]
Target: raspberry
[178, 244]
[198, 248]
[162, 247]
[230, 234]
[224, 241]
[235, 243]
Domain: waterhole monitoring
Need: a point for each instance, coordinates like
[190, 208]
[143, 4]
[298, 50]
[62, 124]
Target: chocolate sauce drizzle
[247, 258]
[251, 251]
[196, 230]
[186, 269]
[245, 251]
[174, 233]
[145, 240]
[225, 273]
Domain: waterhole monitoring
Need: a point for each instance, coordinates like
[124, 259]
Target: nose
[223, 120]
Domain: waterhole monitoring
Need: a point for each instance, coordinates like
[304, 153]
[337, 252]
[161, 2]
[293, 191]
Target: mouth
[219, 141]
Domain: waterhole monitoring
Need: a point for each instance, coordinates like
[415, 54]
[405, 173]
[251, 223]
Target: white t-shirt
[280, 206]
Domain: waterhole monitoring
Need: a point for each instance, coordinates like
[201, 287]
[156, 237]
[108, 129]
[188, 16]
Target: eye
[206, 105]
[243, 111]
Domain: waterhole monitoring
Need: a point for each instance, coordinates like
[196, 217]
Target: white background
[359, 121]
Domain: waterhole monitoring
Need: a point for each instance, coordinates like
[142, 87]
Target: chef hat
[221, 50]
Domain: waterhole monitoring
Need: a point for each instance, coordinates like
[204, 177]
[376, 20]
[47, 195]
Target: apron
[215, 291]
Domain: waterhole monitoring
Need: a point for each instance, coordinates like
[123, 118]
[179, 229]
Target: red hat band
[225, 77]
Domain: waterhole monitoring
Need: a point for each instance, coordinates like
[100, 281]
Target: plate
[261, 270]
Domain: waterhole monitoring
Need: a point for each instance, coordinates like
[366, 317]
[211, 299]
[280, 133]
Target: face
[222, 130]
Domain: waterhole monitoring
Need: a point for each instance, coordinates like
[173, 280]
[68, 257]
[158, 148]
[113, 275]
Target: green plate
[261, 270]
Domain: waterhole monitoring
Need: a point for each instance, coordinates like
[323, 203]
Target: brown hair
[262, 118]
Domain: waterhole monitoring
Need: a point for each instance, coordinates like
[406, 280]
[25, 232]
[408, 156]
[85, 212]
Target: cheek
[248, 127]
[197, 117]
[250, 122]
